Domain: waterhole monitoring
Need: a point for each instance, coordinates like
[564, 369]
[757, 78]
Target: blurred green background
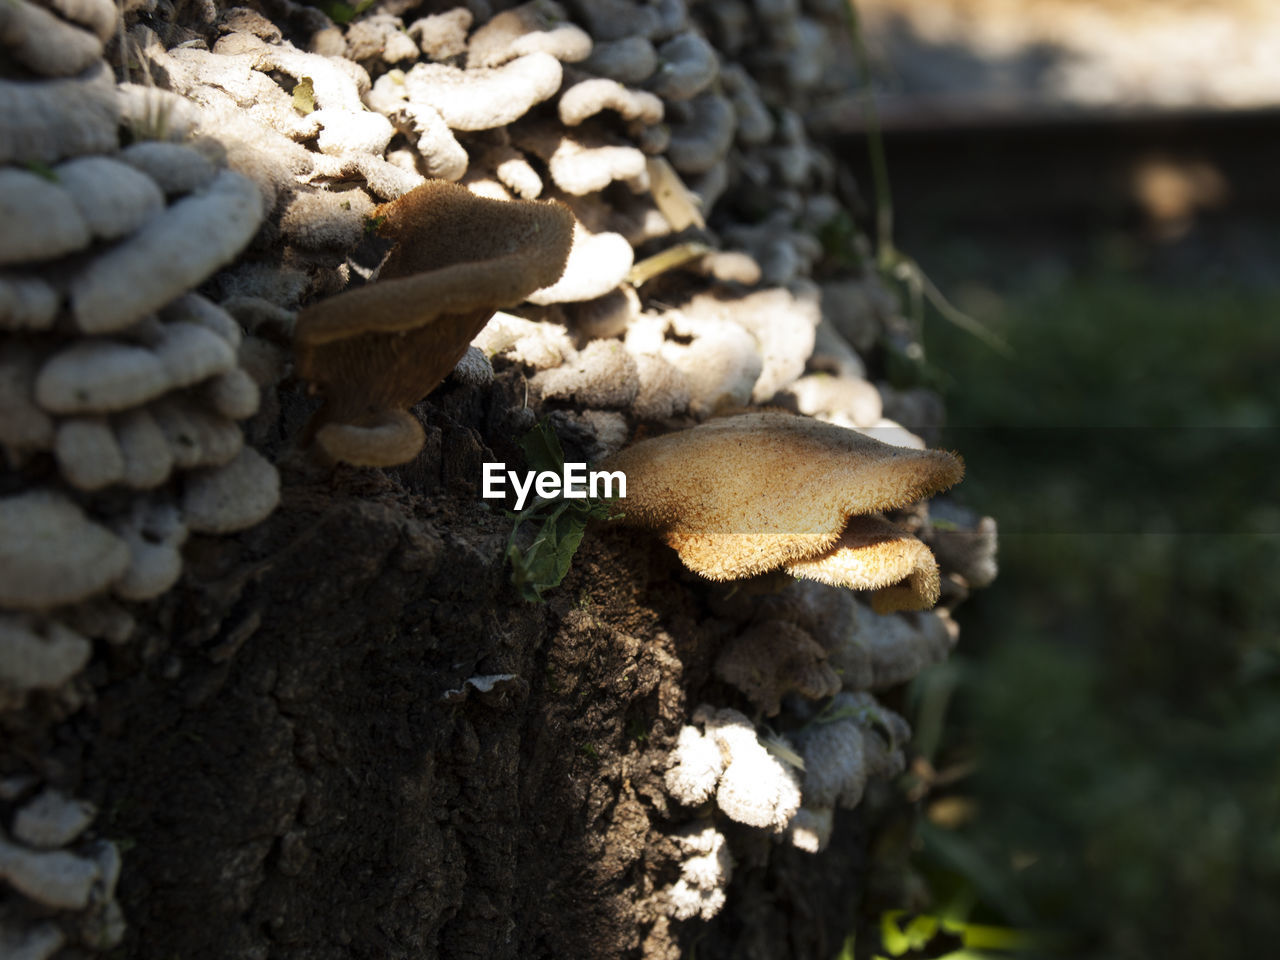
[1117, 691]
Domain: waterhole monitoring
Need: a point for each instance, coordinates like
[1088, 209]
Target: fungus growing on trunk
[383, 347]
[748, 494]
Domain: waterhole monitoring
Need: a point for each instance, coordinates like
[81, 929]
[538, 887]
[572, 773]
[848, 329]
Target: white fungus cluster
[120, 395]
[772, 659]
[853, 741]
[651, 123]
[705, 869]
[47, 859]
[808, 659]
[727, 760]
[865, 649]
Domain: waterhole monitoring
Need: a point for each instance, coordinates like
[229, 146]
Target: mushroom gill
[747, 494]
[382, 347]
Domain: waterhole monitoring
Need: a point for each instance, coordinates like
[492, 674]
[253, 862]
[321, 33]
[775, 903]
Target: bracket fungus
[748, 494]
[376, 350]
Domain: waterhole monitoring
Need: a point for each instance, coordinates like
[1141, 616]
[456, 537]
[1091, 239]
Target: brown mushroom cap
[455, 253]
[744, 495]
[873, 554]
[457, 259]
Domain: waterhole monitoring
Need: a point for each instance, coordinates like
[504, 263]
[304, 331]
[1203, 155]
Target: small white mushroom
[695, 767]
[517, 173]
[597, 263]
[110, 864]
[196, 437]
[336, 82]
[52, 554]
[175, 167]
[702, 135]
[100, 376]
[627, 60]
[443, 157]
[964, 542]
[152, 113]
[100, 16]
[782, 323]
[720, 364]
[351, 131]
[538, 345]
[755, 123]
[155, 533]
[664, 392]
[113, 198]
[584, 161]
[602, 375]
[687, 66]
[148, 460]
[232, 497]
[87, 452]
[326, 220]
[775, 658]
[687, 900]
[233, 394]
[615, 19]
[23, 425]
[488, 98]
[835, 768]
[193, 308]
[46, 44]
[39, 656]
[898, 646]
[830, 398]
[52, 878]
[756, 788]
[191, 352]
[541, 26]
[27, 303]
[380, 35]
[590, 97]
[704, 874]
[52, 819]
[174, 252]
[442, 35]
[44, 122]
[41, 220]
[810, 830]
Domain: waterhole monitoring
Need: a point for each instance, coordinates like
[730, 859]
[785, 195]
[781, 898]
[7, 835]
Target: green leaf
[538, 568]
[570, 526]
[342, 13]
[562, 523]
[542, 448]
[42, 170]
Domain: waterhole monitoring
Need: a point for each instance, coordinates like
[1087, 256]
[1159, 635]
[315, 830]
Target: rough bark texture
[280, 755]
